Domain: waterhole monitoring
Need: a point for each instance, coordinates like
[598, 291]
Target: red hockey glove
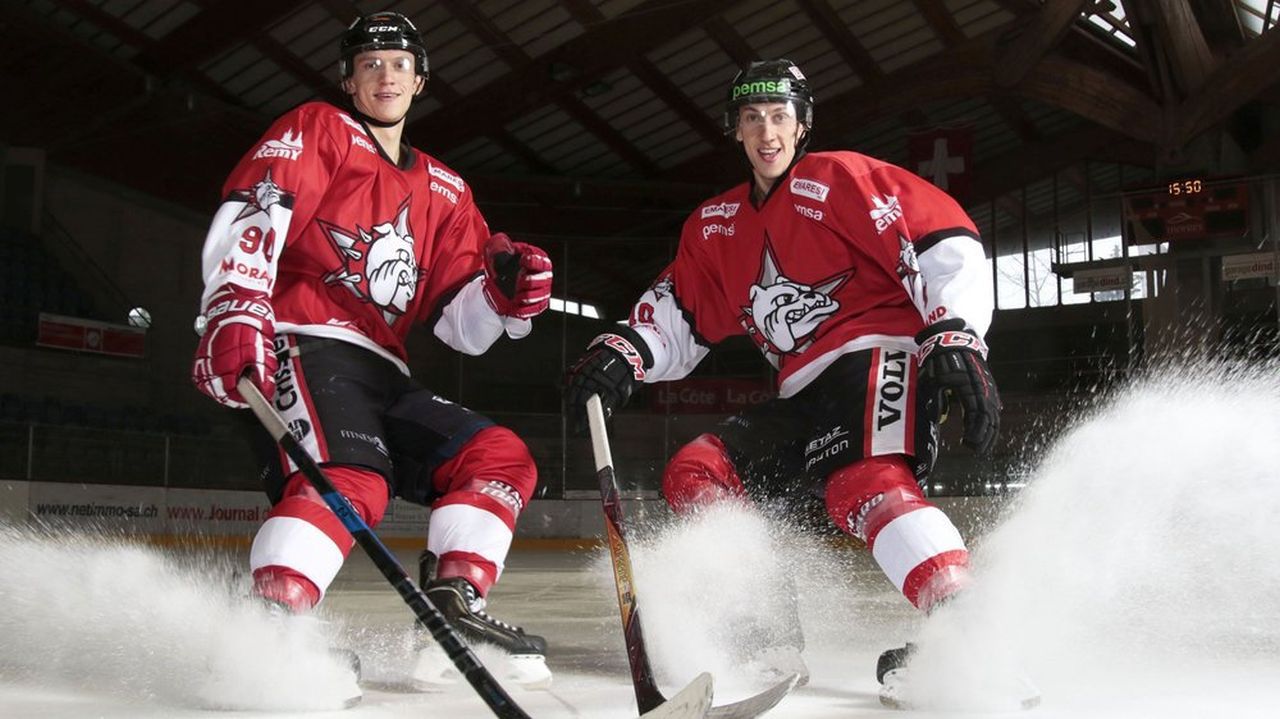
[953, 365]
[517, 278]
[239, 337]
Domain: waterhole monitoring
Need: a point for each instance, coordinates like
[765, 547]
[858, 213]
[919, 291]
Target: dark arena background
[1120, 159]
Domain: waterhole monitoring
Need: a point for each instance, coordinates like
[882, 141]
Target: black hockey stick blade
[695, 699]
[756, 705]
[499, 702]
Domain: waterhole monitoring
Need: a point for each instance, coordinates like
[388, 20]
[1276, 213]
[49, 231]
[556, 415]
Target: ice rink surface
[1134, 577]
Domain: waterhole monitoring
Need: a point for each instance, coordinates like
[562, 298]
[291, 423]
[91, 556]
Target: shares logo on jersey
[885, 212]
[723, 209]
[288, 147]
[379, 264]
[784, 314]
[444, 176]
[445, 183]
[811, 189]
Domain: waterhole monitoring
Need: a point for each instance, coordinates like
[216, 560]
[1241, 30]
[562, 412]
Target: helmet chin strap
[360, 114]
[351, 102]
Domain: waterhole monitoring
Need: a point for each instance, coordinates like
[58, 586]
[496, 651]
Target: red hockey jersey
[847, 253]
[350, 246]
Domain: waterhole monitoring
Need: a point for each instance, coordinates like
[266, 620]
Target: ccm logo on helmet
[384, 28]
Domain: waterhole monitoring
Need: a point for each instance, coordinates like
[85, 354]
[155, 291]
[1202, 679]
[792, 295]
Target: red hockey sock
[700, 474]
[285, 587]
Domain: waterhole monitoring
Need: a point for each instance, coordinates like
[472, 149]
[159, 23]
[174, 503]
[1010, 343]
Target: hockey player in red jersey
[866, 287]
[334, 238]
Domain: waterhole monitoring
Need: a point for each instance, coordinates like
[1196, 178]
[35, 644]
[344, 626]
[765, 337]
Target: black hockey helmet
[769, 81]
[381, 31]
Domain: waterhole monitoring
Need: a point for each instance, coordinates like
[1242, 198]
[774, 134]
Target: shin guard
[304, 542]
[878, 501]
[483, 489]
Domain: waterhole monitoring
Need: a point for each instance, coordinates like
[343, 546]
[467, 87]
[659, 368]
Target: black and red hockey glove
[610, 367]
[238, 337]
[953, 366]
[517, 278]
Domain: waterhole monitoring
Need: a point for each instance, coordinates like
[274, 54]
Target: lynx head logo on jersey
[909, 271]
[378, 265]
[785, 314]
[260, 197]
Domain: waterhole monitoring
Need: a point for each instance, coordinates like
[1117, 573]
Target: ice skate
[771, 652]
[772, 647]
[896, 690]
[282, 596]
[297, 639]
[524, 661]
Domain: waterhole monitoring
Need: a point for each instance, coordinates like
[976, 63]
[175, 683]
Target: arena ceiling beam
[1220, 25]
[1235, 81]
[1176, 29]
[513, 55]
[577, 63]
[1040, 34]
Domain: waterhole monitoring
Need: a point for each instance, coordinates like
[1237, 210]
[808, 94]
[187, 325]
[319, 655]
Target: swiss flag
[943, 156]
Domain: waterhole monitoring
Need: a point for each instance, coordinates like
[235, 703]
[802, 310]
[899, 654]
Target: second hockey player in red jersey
[867, 288]
[334, 238]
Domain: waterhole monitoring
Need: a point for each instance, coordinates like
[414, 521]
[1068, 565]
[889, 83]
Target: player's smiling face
[769, 133]
[383, 83]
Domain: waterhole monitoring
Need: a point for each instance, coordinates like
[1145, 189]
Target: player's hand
[239, 337]
[610, 367]
[517, 278]
[953, 366]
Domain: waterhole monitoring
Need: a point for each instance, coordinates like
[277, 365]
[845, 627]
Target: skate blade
[435, 672]
[528, 671]
[895, 694]
[220, 699]
[900, 704]
[774, 665]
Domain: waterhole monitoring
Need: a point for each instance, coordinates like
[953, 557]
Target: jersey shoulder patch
[443, 180]
[717, 217]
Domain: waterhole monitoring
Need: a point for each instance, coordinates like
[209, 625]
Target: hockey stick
[648, 697]
[463, 658]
